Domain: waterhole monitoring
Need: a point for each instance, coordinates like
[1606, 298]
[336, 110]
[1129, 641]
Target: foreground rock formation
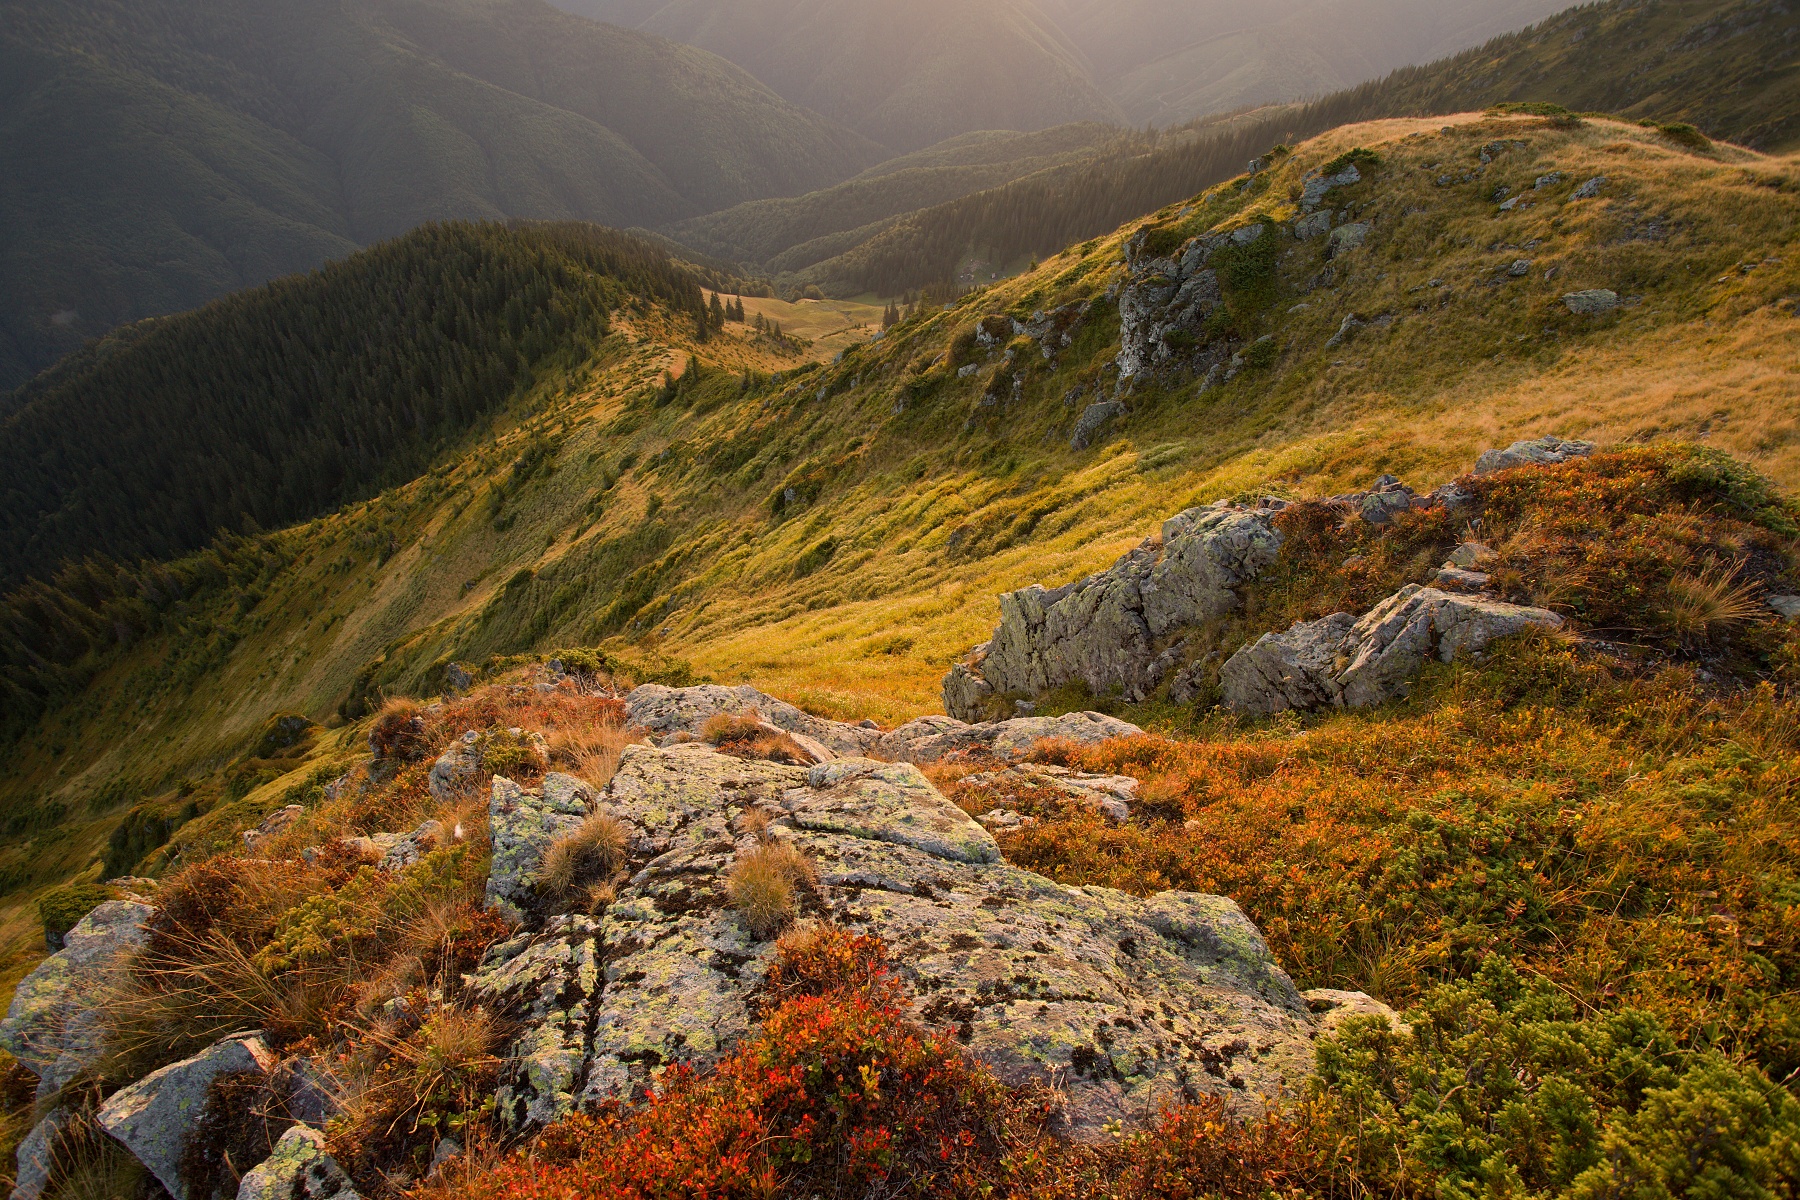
[1125, 1003]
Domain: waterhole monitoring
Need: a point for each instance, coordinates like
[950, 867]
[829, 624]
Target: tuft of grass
[591, 855]
[1701, 605]
[764, 886]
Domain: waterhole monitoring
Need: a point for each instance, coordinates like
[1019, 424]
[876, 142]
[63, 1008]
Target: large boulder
[1112, 631]
[298, 1169]
[666, 712]
[1047, 983]
[53, 1027]
[1344, 662]
[523, 825]
[154, 1117]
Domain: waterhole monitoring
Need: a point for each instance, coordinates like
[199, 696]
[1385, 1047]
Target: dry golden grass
[1704, 603]
[764, 886]
[587, 858]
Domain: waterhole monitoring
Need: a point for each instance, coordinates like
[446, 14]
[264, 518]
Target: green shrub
[62, 908]
[1686, 136]
[1359, 157]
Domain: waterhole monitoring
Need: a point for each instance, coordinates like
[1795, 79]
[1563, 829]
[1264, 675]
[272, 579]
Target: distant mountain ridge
[911, 74]
[907, 75]
[161, 154]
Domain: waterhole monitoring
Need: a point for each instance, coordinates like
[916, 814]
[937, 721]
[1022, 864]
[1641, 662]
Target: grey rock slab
[937, 738]
[1786, 607]
[409, 850]
[1592, 303]
[1317, 185]
[154, 1116]
[1344, 662]
[455, 769]
[1591, 188]
[665, 712]
[298, 1169]
[52, 1026]
[1126, 1003]
[1353, 236]
[1309, 227]
[1111, 631]
[1540, 452]
[37, 1155]
[523, 825]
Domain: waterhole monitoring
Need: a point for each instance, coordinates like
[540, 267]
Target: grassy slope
[914, 507]
[1728, 66]
[161, 155]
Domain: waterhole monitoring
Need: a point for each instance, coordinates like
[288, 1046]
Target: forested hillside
[161, 154]
[1730, 66]
[280, 403]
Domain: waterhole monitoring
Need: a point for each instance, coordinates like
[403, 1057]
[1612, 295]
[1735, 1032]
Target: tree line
[289, 400]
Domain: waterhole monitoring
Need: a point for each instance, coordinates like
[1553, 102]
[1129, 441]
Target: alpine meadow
[795, 599]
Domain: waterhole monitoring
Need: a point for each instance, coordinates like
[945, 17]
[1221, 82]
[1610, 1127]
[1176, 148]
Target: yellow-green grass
[931, 505]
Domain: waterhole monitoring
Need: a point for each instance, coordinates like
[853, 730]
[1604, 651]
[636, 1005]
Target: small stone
[1787, 607]
[1591, 188]
[1592, 303]
[1353, 236]
[1470, 555]
[1550, 180]
[1346, 331]
[1520, 268]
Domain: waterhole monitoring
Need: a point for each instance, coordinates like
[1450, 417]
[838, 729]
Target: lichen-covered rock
[37, 1155]
[522, 825]
[52, 1027]
[1092, 420]
[1112, 631]
[1348, 663]
[665, 712]
[1129, 1003]
[407, 851]
[1543, 452]
[1594, 302]
[455, 769]
[935, 739]
[298, 1169]
[1164, 306]
[154, 1116]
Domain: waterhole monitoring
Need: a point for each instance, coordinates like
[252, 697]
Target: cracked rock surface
[1112, 631]
[1124, 1003]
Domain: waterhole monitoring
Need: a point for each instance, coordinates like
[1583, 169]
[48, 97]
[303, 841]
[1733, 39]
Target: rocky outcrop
[674, 715]
[154, 1116]
[523, 825]
[298, 1169]
[666, 712]
[1127, 1002]
[935, 739]
[1541, 452]
[1344, 662]
[1111, 631]
[52, 1026]
[1166, 301]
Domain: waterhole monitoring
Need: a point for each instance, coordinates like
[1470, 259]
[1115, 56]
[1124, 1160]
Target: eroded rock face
[298, 1169]
[52, 1027]
[1344, 662]
[935, 739]
[154, 1116]
[1129, 1002]
[1111, 631]
[523, 825]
